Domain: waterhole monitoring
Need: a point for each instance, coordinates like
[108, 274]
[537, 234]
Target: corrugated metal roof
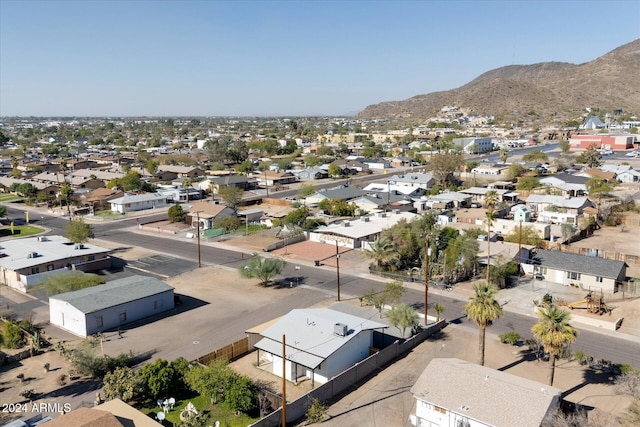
[116, 292]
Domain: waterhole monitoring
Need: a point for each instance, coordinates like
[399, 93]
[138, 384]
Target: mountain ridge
[549, 91]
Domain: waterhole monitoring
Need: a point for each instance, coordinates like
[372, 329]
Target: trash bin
[317, 263]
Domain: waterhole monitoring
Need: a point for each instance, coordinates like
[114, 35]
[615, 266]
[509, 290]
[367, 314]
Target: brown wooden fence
[228, 352]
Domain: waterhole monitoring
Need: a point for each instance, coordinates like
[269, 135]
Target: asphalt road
[598, 345]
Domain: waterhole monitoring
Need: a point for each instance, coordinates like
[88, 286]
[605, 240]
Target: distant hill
[554, 91]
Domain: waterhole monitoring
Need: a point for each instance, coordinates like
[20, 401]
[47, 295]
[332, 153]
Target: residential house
[50, 190]
[207, 212]
[457, 393]
[597, 173]
[359, 232]
[423, 181]
[26, 262]
[311, 174]
[478, 194]
[630, 175]
[190, 172]
[178, 194]
[378, 201]
[99, 198]
[110, 306]
[138, 202]
[558, 209]
[521, 213]
[588, 272]
[271, 179]
[340, 193]
[444, 200]
[381, 188]
[320, 343]
[102, 175]
[566, 184]
[113, 413]
[378, 164]
[508, 226]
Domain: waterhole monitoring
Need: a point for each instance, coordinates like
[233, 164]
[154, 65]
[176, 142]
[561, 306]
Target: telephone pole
[427, 252]
[338, 268]
[198, 234]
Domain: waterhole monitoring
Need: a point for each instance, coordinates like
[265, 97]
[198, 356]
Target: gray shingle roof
[116, 292]
[484, 394]
[593, 266]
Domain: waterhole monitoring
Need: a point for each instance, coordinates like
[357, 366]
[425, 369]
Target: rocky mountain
[546, 92]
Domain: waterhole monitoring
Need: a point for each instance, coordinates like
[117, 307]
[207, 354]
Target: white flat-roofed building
[356, 232]
[320, 343]
[138, 202]
[26, 262]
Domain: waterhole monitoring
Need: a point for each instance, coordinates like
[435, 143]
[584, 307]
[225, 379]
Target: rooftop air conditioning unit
[365, 218]
[340, 329]
[79, 246]
[347, 224]
[32, 255]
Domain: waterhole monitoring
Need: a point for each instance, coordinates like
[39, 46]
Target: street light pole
[338, 268]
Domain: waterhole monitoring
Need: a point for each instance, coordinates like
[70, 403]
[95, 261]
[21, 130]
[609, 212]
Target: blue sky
[258, 58]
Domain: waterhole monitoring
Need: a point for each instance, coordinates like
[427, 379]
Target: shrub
[580, 357]
[12, 336]
[510, 338]
[547, 299]
[316, 410]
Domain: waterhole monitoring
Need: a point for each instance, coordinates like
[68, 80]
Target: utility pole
[284, 381]
[427, 252]
[266, 183]
[198, 234]
[519, 244]
[338, 268]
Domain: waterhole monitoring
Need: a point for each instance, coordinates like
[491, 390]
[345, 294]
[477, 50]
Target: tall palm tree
[381, 252]
[483, 309]
[554, 332]
[490, 201]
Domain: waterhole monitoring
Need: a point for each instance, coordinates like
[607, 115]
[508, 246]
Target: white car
[632, 154]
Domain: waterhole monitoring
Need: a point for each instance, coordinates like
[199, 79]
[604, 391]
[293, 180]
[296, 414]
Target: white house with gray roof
[455, 393]
[26, 262]
[588, 272]
[138, 202]
[110, 306]
[320, 343]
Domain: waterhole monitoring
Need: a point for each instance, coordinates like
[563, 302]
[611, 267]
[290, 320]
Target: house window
[599, 279]
[35, 270]
[123, 316]
[98, 321]
[50, 267]
[573, 275]
[439, 409]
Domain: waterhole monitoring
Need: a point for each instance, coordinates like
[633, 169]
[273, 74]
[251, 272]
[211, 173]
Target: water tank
[340, 329]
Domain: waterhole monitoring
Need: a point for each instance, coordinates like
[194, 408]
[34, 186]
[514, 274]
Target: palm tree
[554, 332]
[490, 200]
[439, 309]
[186, 184]
[381, 252]
[483, 309]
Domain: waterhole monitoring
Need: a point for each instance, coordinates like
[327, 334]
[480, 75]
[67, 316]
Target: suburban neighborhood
[296, 223]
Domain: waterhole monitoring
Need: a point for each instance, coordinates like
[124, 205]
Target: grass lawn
[21, 231]
[108, 214]
[212, 413]
[7, 197]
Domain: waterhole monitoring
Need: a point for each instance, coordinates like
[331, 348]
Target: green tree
[535, 156]
[382, 252]
[3, 211]
[245, 167]
[444, 166]
[66, 192]
[598, 188]
[490, 201]
[311, 160]
[504, 154]
[69, 281]
[554, 332]
[305, 190]
[528, 236]
[228, 223]
[151, 166]
[564, 146]
[242, 395]
[334, 171]
[514, 171]
[528, 183]
[232, 196]
[214, 380]
[484, 310]
[590, 157]
[176, 213]
[402, 317]
[78, 231]
[296, 217]
[123, 383]
[264, 269]
[161, 378]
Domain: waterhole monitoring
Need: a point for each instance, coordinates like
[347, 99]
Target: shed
[110, 306]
